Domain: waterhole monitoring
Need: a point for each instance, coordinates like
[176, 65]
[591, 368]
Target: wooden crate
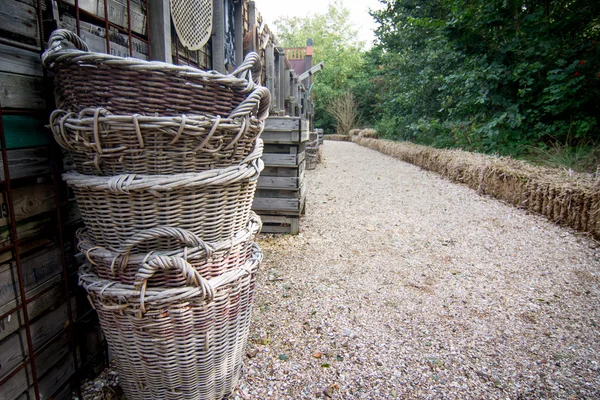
[285, 130]
[282, 202]
[280, 224]
[284, 155]
[281, 177]
[13, 349]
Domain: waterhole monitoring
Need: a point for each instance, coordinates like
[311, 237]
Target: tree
[499, 76]
[335, 41]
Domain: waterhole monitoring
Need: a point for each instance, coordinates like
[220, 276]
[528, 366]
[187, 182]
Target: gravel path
[404, 285]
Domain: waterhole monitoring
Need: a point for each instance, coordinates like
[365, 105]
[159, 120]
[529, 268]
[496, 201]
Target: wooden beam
[270, 72]
[159, 21]
[218, 36]
[239, 32]
[37, 269]
[27, 162]
[19, 61]
[13, 322]
[28, 201]
[13, 349]
[49, 357]
[25, 131]
[18, 21]
[21, 91]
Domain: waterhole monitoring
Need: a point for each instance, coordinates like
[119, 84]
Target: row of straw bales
[338, 138]
[565, 197]
[364, 133]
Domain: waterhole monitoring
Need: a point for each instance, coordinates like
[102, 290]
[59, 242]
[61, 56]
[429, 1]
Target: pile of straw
[565, 197]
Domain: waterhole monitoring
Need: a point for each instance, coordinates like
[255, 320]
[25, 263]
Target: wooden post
[159, 19]
[270, 71]
[239, 33]
[218, 36]
[280, 87]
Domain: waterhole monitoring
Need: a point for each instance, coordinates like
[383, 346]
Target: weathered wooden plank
[37, 269]
[280, 224]
[27, 246]
[21, 91]
[280, 148]
[294, 171]
[26, 162]
[159, 20]
[19, 61]
[32, 233]
[273, 204]
[13, 349]
[270, 72]
[18, 21]
[44, 361]
[281, 124]
[14, 321]
[291, 193]
[279, 182]
[25, 131]
[28, 201]
[218, 36]
[283, 160]
[54, 379]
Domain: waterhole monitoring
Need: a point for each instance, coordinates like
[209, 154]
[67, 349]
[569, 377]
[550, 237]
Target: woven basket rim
[139, 295]
[64, 45]
[250, 168]
[201, 250]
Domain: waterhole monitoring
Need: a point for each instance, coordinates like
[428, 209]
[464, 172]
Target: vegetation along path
[404, 285]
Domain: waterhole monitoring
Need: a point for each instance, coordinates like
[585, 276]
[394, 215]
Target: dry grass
[565, 197]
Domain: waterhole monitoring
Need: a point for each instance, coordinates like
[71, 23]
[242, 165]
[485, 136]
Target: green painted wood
[25, 131]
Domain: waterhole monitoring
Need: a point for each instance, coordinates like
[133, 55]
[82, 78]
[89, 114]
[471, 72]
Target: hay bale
[565, 197]
[338, 138]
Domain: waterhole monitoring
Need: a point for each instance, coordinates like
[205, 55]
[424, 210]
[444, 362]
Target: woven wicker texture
[193, 21]
[213, 205]
[131, 86]
[106, 144]
[209, 259]
[179, 343]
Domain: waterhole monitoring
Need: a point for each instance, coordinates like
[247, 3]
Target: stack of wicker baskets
[167, 160]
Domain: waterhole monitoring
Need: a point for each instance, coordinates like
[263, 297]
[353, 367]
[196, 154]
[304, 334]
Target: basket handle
[259, 99]
[187, 238]
[251, 65]
[192, 276]
[59, 40]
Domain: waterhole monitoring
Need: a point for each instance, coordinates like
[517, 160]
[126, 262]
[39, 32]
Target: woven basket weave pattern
[106, 144]
[210, 260]
[184, 346]
[213, 205]
[130, 86]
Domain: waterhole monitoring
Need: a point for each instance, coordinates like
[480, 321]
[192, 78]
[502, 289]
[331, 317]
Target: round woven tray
[103, 143]
[128, 86]
[209, 259]
[214, 205]
[179, 343]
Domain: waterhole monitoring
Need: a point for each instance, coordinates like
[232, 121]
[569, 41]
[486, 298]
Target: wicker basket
[209, 259]
[179, 343]
[213, 205]
[102, 143]
[130, 86]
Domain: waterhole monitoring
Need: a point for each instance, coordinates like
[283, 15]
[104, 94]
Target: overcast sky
[272, 9]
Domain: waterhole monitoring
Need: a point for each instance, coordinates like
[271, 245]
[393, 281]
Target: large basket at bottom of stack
[181, 342]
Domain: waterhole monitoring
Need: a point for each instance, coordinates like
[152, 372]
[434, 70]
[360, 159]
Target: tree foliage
[487, 75]
[335, 41]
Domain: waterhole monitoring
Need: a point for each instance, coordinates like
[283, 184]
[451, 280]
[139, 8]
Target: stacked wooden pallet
[281, 191]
